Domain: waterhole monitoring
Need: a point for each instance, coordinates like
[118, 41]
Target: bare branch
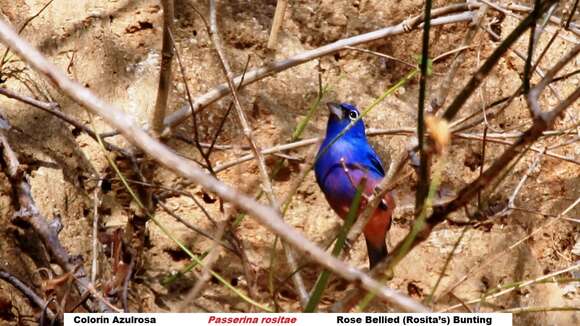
[249, 134]
[27, 291]
[272, 68]
[277, 23]
[29, 213]
[165, 69]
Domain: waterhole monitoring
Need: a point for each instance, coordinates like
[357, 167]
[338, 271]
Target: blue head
[341, 115]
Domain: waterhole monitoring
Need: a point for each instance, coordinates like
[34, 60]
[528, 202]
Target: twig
[265, 215]
[442, 91]
[544, 226]
[531, 169]
[531, 45]
[27, 291]
[29, 213]
[572, 27]
[491, 61]
[191, 226]
[277, 23]
[572, 12]
[248, 133]
[26, 22]
[520, 310]
[53, 108]
[210, 259]
[165, 69]
[483, 146]
[469, 191]
[534, 93]
[272, 68]
[496, 138]
[515, 286]
[95, 235]
[382, 55]
[536, 69]
[446, 264]
[424, 157]
[196, 141]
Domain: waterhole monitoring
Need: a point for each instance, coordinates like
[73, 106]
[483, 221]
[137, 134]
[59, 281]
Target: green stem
[324, 276]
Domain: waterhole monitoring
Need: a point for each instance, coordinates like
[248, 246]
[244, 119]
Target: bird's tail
[376, 253]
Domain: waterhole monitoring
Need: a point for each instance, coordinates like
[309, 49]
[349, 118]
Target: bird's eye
[353, 115]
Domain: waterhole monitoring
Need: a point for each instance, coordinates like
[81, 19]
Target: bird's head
[341, 115]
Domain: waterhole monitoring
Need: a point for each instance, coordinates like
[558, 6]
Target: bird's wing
[376, 163]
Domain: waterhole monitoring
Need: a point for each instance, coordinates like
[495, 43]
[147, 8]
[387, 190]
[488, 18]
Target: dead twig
[54, 109]
[439, 16]
[491, 62]
[476, 269]
[28, 292]
[95, 235]
[249, 134]
[440, 95]
[541, 124]
[205, 276]
[277, 23]
[514, 287]
[164, 70]
[29, 213]
[534, 93]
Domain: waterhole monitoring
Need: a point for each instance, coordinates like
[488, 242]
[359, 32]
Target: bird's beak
[335, 109]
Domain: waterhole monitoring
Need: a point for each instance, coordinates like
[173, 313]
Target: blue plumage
[341, 165]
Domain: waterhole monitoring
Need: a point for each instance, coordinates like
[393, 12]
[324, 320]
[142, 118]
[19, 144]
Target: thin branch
[424, 157]
[491, 62]
[382, 55]
[476, 269]
[27, 291]
[520, 184]
[530, 309]
[534, 93]
[438, 99]
[53, 108]
[165, 69]
[469, 191]
[572, 12]
[29, 213]
[277, 23]
[531, 45]
[272, 68]
[210, 260]
[514, 287]
[95, 234]
[249, 134]
[26, 22]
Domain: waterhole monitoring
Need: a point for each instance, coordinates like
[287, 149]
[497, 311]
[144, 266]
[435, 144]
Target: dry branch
[249, 134]
[277, 23]
[265, 215]
[27, 291]
[165, 69]
[53, 108]
[438, 18]
[29, 213]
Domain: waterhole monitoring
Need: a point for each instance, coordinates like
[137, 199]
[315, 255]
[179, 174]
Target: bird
[340, 166]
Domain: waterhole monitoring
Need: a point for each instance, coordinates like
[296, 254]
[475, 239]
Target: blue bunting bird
[340, 168]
